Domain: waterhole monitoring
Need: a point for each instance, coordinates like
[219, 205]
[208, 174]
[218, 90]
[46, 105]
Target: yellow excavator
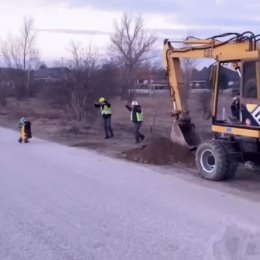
[234, 142]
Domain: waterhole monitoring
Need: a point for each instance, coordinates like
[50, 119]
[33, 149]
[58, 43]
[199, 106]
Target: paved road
[65, 203]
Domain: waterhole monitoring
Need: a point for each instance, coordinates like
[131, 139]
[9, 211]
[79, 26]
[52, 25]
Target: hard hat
[134, 103]
[22, 120]
[101, 100]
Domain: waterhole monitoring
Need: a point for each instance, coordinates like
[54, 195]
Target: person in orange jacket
[25, 130]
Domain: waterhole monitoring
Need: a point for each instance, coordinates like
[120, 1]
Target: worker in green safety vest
[137, 117]
[106, 113]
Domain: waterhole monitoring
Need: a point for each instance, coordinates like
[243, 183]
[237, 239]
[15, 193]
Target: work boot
[142, 137]
[106, 137]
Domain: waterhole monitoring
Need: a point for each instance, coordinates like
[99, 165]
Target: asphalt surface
[58, 202]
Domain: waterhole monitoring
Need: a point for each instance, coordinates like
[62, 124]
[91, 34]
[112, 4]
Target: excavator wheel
[213, 161]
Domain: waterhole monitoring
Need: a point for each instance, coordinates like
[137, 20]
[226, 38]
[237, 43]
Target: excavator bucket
[185, 135]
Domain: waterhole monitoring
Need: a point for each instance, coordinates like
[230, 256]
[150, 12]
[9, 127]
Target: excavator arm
[239, 47]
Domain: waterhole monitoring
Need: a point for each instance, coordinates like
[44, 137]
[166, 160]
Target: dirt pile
[161, 151]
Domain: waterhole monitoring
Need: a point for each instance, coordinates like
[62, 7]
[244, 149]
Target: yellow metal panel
[258, 78]
[198, 41]
[239, 56]
[216, 89]
[232, 51]
[177, 85]
[236, 131]
[251, 107]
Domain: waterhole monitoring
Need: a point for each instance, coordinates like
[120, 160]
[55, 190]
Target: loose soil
[161, 151]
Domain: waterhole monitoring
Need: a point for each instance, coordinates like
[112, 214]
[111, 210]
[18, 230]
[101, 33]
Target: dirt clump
[161, 151]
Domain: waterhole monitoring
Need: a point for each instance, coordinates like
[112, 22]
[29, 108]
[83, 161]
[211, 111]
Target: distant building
[150, 83]
[50, 74]
[198, 84]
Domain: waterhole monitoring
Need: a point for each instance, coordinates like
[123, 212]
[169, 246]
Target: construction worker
[136, 116]
[105, 108]
[235, 107]
[25, 130]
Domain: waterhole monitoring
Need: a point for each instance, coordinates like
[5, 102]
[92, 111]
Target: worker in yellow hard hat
[106, 113]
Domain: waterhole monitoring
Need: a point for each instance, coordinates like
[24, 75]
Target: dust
[161, 151]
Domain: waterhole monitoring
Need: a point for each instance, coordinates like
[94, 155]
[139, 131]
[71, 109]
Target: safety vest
[105, 110]
[139, 116]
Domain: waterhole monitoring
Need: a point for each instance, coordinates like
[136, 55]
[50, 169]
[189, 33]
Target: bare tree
[79, 78]
[19, 52]
[188, 65]
[28, 38]
[131, 44]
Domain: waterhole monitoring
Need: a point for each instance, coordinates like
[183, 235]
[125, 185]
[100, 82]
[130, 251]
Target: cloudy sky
[57, 22]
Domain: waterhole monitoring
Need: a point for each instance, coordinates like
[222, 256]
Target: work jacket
[105, 109]
[26, 128]
[136, 114]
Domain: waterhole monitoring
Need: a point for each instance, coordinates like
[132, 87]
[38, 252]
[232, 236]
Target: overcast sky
[59, 21]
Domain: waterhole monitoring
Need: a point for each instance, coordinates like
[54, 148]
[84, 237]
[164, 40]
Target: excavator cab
[234, 142]
[250, 93]
[248, 116]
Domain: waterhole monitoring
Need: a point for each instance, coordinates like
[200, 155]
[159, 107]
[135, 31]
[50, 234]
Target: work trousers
[107, 127]
[138, 136]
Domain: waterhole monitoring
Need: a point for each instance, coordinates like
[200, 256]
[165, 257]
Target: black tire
[233, 162]
[212, 160]
[231, 171]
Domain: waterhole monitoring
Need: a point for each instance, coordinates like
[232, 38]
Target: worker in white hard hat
[106, 113]
[137, 117]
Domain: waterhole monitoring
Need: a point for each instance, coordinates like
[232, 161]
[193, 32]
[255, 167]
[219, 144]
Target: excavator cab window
[226, 90]
[251, 80]
[223, 78]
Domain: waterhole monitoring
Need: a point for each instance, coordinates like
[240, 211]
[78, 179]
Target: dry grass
[33, 108]
[52, 119]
